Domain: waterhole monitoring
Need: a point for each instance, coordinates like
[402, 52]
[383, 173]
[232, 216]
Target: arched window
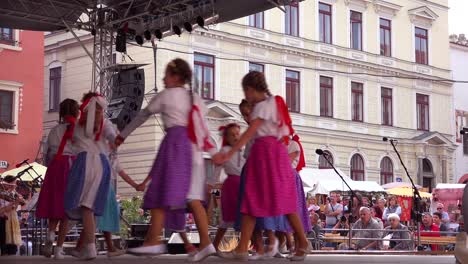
[386, 171]
[323, 164]
[357, 168]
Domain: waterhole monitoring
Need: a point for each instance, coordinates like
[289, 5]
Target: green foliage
[132, 213]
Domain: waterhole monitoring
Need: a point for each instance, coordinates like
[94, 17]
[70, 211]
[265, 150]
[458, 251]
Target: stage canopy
[49, 15]
[324, 181]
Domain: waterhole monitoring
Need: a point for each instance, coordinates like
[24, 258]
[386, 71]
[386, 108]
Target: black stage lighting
[139, 40]
[177, 30]
[158, 34]
[201, 22]
[147, 35]
[188, 27]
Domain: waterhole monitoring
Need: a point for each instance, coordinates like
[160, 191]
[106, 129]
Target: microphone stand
[416, 208]
[350, 204]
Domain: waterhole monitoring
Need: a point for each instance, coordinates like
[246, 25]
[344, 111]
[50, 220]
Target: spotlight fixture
[188, 27]
[139, 40]
[177, 30]
[147, 34]
[93, 31]
[158, 34]
[201, 22]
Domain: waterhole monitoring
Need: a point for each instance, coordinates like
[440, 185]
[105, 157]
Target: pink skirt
[229, 198]
[270, 186]
[51, 198]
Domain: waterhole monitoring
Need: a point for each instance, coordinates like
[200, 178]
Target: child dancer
[178, 176]
[296, 156]
[230, 189]
[59, 159]
[109, 222]
[269, 183]
[88, 183]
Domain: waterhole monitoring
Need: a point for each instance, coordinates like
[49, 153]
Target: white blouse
[268, 111]
[82, 143]
[174, 104]
[294, 147]
[231, 167]
[53, 142]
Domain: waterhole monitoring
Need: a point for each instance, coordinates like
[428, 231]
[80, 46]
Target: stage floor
[329, 259]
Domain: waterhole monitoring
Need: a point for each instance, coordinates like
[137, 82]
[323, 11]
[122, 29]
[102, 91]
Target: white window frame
[14, 87]
[16, 39]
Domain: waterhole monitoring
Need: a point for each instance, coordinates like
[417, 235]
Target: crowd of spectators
[376, 223]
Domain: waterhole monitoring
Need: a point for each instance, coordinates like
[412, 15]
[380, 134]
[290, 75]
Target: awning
[399, 184]
[40, 169]
[407, 192]
[324, 181]
[450, 186]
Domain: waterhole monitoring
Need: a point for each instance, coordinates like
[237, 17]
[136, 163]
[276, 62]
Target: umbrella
[392, 185]
[40, 169]
[408, 192]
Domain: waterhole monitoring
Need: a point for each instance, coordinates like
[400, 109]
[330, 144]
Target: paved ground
[329, 259]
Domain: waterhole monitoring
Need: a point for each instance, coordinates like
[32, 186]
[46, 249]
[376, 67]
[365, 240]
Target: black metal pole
[350, 205]
[416, 208]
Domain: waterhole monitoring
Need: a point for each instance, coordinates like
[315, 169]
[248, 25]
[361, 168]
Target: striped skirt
[88, 184]
[51, 198]
[270, 186]
[171, 172]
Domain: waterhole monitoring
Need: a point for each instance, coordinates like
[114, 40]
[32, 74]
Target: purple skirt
[302, 211]
[171, 172]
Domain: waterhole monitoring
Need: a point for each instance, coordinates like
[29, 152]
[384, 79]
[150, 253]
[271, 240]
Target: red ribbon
[68, 135]
[191, 129]
[301, 164]
[283, 114]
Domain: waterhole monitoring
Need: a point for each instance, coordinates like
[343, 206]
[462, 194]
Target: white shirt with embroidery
[294, 147]
[268, 112]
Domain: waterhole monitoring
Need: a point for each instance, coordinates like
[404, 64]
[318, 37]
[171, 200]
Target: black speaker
[128, 91]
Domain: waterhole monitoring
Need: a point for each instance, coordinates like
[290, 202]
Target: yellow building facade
[352, 72]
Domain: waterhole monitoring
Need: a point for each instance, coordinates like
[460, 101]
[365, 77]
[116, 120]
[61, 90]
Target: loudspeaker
[128, 91]
[139, 230]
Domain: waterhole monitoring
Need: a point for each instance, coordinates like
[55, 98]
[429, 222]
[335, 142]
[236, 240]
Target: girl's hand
[119, 140]
[140, 187]
[219, 158]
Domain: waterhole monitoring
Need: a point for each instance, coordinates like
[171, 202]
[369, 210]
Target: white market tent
[323, 181]
[450, 186]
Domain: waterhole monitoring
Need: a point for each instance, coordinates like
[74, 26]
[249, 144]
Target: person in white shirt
[230, 186]
[178, 173]
[269, 183]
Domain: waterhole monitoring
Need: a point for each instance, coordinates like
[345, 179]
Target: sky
[458, 17]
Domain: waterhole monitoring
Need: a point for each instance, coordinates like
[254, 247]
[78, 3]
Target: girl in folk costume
[269, 182]
[109, 222]
[59, 160]
[177, 176]
[230, 188]
[88, 183]
[296, 156]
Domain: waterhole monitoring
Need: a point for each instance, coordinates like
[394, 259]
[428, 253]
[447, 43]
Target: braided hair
[257, 81]
[68, 107]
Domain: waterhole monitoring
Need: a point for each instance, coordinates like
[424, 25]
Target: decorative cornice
[358, 3]
[386, 8]
[423, 16]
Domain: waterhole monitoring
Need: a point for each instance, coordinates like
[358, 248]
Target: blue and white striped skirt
[88, 184]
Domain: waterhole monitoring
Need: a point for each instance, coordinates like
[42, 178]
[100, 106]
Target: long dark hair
[257, 81]
[68, 107]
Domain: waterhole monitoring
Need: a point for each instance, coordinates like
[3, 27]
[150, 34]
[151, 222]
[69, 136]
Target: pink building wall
[25, 66]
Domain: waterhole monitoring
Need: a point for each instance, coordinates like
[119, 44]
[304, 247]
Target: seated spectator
[392, 208]
[342, 226]
[375, 212]
[397, 231]
[313, 207]
[429, 229]
[461, 224]
[316, 226]
[437, 219]
[445, 216]
[366, 228]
